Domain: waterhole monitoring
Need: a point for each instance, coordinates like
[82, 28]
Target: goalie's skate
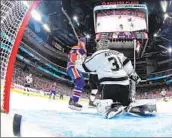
[116, 109]
[91, 104]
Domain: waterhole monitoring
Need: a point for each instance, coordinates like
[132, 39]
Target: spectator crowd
[153, 93]
[40, 82]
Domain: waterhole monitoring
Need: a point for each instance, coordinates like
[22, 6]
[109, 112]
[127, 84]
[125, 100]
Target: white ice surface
[44, 117]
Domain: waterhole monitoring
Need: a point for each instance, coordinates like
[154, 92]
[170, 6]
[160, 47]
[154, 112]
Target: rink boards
[65, 97]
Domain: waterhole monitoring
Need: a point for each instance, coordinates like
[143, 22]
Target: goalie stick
[70, 22]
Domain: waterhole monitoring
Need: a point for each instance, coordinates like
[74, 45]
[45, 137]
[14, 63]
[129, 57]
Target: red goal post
[15, 15]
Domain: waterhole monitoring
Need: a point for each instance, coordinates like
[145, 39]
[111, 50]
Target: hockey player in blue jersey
[76, 56]
[53, 91]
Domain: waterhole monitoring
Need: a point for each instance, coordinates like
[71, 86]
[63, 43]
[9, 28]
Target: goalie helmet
[102, 44]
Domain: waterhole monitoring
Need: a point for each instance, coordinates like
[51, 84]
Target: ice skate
[74, 105]
[116, 109]
[91, 104]
[70, 100]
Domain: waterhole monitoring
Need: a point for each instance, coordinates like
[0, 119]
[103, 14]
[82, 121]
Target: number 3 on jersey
[114, 63]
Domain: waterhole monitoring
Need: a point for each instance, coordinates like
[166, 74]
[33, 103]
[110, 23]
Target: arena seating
[39, 82]
[153, 93]
[44, 84]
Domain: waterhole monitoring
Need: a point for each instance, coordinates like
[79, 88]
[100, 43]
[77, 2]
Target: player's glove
[135, 78]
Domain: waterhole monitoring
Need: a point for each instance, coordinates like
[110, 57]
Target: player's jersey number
[114, 64]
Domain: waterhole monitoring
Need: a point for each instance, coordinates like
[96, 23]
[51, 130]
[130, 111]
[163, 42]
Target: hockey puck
[17, 125]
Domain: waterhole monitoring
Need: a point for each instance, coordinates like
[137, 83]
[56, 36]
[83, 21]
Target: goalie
[114, 72]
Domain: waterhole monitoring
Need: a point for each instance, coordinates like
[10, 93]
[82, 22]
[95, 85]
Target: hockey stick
[70, 22]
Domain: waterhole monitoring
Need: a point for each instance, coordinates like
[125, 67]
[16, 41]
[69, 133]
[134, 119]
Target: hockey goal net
[14, 18]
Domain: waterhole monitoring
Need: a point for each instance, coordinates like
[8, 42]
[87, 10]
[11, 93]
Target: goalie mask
[102, 44]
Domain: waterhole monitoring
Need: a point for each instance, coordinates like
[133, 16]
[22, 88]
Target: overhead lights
[75, 18]
[88, 36]
[155, 35]
[46, 27]
[36, 15]
[166, 16]
[169, 49]
[164, 5]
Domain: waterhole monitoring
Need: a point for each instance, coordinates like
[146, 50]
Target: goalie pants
[118, 93]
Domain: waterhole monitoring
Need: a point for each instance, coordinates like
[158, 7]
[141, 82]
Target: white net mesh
[12, 16]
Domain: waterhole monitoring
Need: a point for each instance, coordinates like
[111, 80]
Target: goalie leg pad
[143, 110]
[108, 109]
[103, 106]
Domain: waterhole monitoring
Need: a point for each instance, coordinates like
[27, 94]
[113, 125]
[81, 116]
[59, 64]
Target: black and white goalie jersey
[111, 66]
